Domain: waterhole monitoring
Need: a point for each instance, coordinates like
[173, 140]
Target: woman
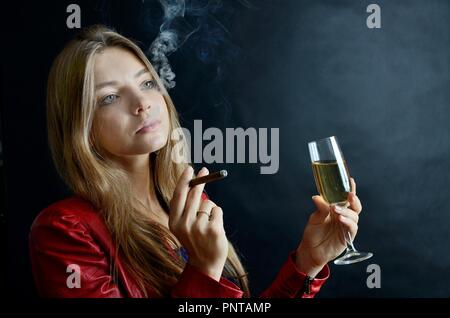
[134, 228]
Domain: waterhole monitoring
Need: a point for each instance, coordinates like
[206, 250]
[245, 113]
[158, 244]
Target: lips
[148, 125]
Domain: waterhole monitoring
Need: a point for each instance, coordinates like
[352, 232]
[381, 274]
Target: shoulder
[69, 219]
[70, 225]
[67, 233]
[70, 210]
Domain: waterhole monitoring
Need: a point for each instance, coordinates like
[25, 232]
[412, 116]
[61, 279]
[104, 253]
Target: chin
[153, 147]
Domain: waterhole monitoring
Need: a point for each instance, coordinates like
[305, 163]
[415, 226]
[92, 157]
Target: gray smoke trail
[163, 45]
[184, 18]
[173, 33]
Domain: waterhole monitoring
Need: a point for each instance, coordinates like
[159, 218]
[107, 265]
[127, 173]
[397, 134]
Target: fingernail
[338, 209]
[204, 170]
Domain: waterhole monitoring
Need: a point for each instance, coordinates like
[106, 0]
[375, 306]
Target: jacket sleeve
[195, 284]
[291, 283]
[67, 262]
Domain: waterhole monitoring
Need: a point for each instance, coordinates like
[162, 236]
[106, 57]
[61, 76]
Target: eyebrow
[112, 83]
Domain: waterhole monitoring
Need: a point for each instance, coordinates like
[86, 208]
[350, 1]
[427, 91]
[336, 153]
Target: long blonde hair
[143, 245]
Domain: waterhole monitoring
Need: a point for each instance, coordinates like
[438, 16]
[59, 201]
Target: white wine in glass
[333, 184]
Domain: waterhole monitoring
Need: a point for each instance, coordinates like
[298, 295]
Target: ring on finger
[207, 213]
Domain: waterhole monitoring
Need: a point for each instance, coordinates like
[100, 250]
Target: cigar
[210, 177]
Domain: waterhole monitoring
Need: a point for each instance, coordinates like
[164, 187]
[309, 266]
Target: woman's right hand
[203, 236]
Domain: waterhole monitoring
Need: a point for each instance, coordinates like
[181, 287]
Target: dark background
[312, 69]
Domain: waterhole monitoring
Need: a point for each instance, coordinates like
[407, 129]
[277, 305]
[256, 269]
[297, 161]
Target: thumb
[323, 208]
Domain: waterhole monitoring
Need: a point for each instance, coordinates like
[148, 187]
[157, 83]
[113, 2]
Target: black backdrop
[311, 69]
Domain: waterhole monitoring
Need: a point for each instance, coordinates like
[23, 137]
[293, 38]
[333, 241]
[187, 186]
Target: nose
[141, 104]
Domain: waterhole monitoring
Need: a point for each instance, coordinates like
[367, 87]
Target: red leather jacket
[72, 232]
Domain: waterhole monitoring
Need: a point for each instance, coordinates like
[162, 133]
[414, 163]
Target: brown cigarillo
[210, 177]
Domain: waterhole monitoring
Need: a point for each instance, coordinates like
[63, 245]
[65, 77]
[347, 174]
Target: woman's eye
[150, 84]
[109, 99]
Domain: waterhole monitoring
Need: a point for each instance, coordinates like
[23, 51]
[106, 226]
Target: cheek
[161, 111]
[110, 132]
[159, 138]
[166, 120]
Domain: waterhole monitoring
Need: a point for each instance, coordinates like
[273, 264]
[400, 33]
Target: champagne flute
[333, 183]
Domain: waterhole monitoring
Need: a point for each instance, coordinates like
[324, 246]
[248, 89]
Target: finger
[353, 185]
[216, 217]
[177, 203]
[348, 213]
[205, 206]
[349, 225]
[323, 209]
[355, 203]
[193, 199]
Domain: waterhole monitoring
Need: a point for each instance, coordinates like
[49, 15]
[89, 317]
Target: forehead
[114, 63]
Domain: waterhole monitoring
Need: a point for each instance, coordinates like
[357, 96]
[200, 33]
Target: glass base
[352, 257]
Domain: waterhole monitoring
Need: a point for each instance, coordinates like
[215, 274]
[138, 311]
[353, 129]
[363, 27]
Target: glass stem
[350, 246]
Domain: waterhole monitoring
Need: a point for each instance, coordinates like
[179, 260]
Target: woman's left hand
[323, 237]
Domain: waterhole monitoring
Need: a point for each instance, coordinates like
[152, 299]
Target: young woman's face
[131, 117]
